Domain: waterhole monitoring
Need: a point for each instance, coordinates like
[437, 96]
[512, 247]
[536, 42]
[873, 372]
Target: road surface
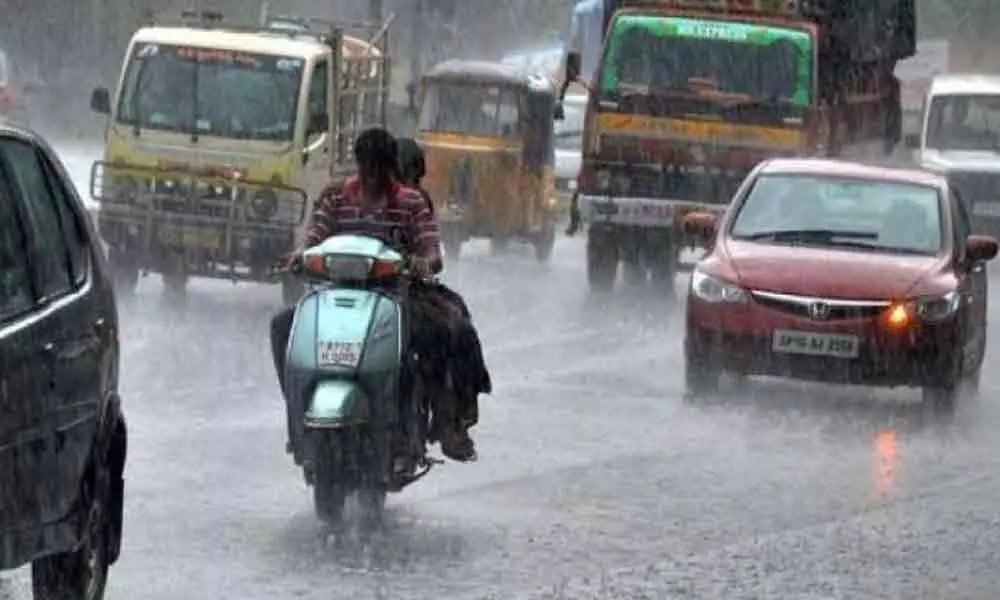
[595, 480]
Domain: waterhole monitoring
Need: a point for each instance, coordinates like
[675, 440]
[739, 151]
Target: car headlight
[929, 308]
[936, 308]
[715, 290]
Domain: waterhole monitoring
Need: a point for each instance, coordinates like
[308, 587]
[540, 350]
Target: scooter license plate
[338, 354]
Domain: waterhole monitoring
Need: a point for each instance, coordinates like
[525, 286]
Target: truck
[221, 134]
[689, 95]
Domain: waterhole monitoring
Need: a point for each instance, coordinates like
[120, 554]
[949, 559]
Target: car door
[67, 327]
[24, 379]
[974, 278]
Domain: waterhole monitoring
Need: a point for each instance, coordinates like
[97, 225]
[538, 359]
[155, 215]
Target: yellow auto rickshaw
[487, 132]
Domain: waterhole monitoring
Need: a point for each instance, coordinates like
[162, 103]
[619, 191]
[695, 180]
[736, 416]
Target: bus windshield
[657, 53]
[219, 93]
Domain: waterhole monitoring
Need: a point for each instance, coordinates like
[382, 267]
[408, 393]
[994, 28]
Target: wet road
[595, 480]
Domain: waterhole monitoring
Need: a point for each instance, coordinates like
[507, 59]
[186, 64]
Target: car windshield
[827, 211]
[211, 92]
[569, 131]
[769, 64]
[964, 123]
[470, 108]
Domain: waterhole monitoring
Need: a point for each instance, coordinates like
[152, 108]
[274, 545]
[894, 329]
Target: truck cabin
[755, 63]
[254, 84]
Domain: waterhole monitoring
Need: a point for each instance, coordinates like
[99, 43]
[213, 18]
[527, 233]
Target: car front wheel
[701, 374]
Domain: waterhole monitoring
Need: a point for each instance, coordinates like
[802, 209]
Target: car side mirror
[318, 123]
[701, 227]
[981, 248]
[100, 101]
[912, 141]
[573, 66]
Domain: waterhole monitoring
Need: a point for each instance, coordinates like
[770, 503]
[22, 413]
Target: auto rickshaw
[487, 131]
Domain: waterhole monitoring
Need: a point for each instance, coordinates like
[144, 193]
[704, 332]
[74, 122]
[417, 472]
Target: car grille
[830, 309]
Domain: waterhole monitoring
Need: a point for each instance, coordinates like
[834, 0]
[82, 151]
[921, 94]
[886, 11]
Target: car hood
[568, 164]
[968, 160]
[826, 272]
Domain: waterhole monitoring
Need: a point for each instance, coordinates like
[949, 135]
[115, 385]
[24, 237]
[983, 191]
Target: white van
[960, 137]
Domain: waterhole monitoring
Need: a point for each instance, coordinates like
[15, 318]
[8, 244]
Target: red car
[834, 271]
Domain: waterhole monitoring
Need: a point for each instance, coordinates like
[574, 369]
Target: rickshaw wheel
[452, 242]
[544, 244]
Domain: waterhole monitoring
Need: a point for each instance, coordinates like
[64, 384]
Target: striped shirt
[405, 220]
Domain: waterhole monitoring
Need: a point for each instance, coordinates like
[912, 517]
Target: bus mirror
[572, 66]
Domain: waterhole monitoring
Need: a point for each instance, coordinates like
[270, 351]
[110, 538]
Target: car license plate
[190, 239]
[338, 354]
[789, 341]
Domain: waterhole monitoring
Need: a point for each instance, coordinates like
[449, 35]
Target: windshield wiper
[824, 236]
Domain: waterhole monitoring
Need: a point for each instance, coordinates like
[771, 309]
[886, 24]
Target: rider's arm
[322, 221]
[427, 233]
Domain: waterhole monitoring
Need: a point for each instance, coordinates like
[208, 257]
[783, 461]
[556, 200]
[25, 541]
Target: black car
[62, 432]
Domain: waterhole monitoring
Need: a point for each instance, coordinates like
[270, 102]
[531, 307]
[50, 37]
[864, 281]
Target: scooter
[358, 414]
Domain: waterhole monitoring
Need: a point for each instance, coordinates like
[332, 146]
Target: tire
[330, 491]
[663, 267]
[124, 273]
[544, 244]
[452, 240]
[633, 273]
[329, 497]
[292, 290]
[83, 573]
[602, 260]
[941, 398]
[701, 375]
[371, 500]
[943, 395]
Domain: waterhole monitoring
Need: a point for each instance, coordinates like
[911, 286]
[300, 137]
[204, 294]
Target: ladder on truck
[360, 76]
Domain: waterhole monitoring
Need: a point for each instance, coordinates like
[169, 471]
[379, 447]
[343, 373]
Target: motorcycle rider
[469, 375]
[374, 202]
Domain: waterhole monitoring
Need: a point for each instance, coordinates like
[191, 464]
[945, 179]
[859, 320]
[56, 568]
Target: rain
[616, 458]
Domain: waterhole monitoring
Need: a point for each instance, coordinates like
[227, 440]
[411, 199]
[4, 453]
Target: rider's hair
[411, 161]
[376, 151]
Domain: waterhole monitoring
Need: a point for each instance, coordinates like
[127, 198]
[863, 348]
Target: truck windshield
[470, 108]
[658, 53]
[964, 123]
[208, 92]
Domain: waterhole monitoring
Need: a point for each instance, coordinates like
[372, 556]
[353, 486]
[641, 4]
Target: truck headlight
[716, 291]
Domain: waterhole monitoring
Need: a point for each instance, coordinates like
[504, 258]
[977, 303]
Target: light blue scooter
[358, 414]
